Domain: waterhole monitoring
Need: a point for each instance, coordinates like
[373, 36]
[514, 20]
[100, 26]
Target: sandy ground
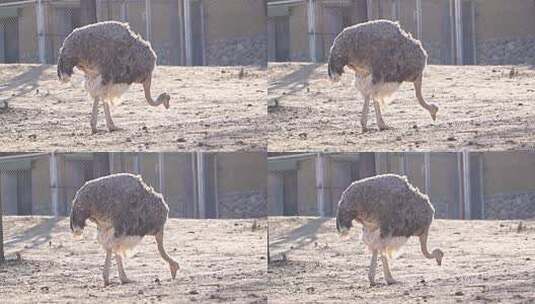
[221, 261]
[481, 108]
[484, 262]
[211, 109]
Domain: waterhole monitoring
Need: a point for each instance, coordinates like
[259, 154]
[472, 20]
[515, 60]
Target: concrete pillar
[419, 34]
[467, 193]
[41, 30]
[188, 33]
[161, 171]
[54, 184]
[459, 31]
[427, 172]
[311, 18]
[148, 19]
[320, 184]
[201, 184]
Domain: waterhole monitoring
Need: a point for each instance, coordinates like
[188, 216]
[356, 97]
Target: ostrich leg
[94, 115]
[109, 121]
[163, 98]
[386, 269]
[173, 265]
[364, 114]
[432, 108]
[106, 271]
[380, 122]
[122, 274]
[373, 266]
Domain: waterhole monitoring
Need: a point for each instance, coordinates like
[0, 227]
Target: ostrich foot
[365, 129]
[391, 281]
[373, 284]
[94, 131]
[126, 281]
[113, 128]
[384, 127]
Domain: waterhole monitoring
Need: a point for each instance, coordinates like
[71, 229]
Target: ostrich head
[438, 254]
[65, 67]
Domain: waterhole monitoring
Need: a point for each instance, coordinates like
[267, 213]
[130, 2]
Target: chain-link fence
[181, 32]
[460, 185]
[452, 31]
[194, 185]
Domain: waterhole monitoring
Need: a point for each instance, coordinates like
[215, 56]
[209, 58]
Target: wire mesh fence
[181, 32]
[460, 185]
[194, 185]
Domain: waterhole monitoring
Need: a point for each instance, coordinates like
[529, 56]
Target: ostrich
[382, 55]
[112, 57]
[390, 210]
[124, 209]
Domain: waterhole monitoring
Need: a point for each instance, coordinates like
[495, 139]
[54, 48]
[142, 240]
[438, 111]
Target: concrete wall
[241, 184]
[298, 34]
[509, 185]
[505, 32]
[28, 50]
[235, 32]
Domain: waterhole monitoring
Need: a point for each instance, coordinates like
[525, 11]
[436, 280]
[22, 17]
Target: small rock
[451, 138]
[32, 136]
[181, 139]
[303, 135]
[128, 139]
[459, 293]
[193, 292]
[310, 289]
[140, 292]
[406, 293]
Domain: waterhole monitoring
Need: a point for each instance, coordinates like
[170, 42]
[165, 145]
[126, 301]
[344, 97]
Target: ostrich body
[390, 211]
[124, 209]
[382, 55]
[112, 57]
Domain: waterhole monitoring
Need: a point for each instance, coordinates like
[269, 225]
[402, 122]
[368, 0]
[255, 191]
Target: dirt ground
[221, 261]
[212, 108]
[480, 108]
[484, 262]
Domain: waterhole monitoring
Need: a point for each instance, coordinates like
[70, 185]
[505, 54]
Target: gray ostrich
[382, 55]
[112, 57]
[124, 209]
[390, 211]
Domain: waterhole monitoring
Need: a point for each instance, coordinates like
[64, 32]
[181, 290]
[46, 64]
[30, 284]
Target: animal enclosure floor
[481, 108]
[221, 261]
[212, 108]
[484, 262]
